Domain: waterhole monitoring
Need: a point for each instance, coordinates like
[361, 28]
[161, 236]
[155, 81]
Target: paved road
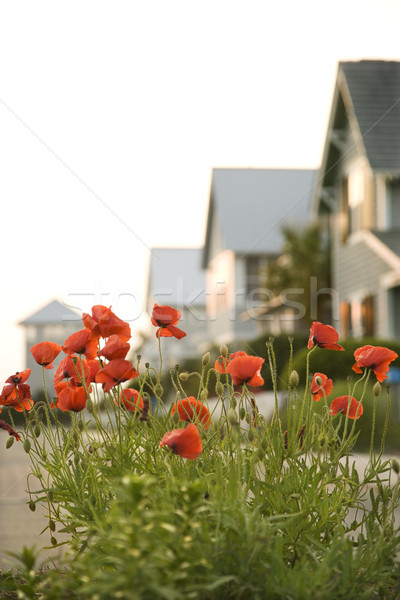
[19, 525]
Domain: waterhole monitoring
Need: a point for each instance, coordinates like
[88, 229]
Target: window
[352, 197]
[367, 316]
[393, 189]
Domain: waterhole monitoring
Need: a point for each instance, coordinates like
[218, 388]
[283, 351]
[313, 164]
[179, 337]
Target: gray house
[247, 208]
[177, 279]
[52, 323]
[358, 195]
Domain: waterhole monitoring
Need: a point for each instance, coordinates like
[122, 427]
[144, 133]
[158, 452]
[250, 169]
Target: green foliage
[275, 509]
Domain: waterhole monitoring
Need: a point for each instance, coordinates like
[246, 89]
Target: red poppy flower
[16, 392]
[246, 369]
[222, 361]
[184, 442]
[17, 395]
[19, 377]
[190, 409]
[323, 336]
[69, 397]
[165, 318]
[45, 352]
[130, 399]
[321, 389]
[115, 372]
[82, 342]
[75, 368]
[103, 323]
[353, 410]
[11, 431]
[114, 348]
[376, 358]
[94, 368]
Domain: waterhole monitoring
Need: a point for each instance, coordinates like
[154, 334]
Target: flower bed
[180, 501]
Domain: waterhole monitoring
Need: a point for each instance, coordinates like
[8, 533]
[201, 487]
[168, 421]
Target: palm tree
[302, 271]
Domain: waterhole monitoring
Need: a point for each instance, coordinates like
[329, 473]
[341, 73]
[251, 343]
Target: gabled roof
[366, 98]
[53, 313]
[176, 277]
[251, 205]
[374, 88]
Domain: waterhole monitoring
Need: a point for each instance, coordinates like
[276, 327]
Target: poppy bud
[377, 389]
[52, 525]
[32, 505]
[184, 376]
[89, 405]
[37, 431]
[325, 467]
[158, 390]
[206, 359]
[247, 418]
[251, 436]
[50, 495]
[175, 417]
[260, 454]
[233, 402]
[81, 425]
[223, 350]
[264, 444]
[242, 413]
[232, 417]
[219, 389]
[294, 378]
[27, 445]
[395, 465]
[9, 442]
[53, 541]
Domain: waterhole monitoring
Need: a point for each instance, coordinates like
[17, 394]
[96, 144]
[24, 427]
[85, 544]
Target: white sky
[112, 115]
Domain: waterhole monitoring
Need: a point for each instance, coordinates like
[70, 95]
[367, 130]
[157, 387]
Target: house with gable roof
[247, 209]
[54, 322]
[357, 194]
[176, 278]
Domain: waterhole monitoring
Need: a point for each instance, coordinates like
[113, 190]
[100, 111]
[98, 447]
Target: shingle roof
[53, 313]
[176, 277]
[251, 205]
[374, 87]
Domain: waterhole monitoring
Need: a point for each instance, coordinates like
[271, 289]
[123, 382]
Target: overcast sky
[113, 114]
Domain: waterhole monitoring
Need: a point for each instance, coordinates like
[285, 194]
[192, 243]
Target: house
[247, 208]
[357, 194]
[54, 323]
[176, 278]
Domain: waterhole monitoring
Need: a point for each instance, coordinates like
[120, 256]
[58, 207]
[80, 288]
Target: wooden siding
[358, 269]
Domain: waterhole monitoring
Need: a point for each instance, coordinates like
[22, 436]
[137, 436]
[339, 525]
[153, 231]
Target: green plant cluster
[273, 509]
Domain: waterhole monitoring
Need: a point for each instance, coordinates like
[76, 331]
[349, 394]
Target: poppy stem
[160, 354]
[300, 420]
[385, 427]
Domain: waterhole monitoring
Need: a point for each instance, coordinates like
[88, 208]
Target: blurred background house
[357, 196]
[53, 322]
[246, 212]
